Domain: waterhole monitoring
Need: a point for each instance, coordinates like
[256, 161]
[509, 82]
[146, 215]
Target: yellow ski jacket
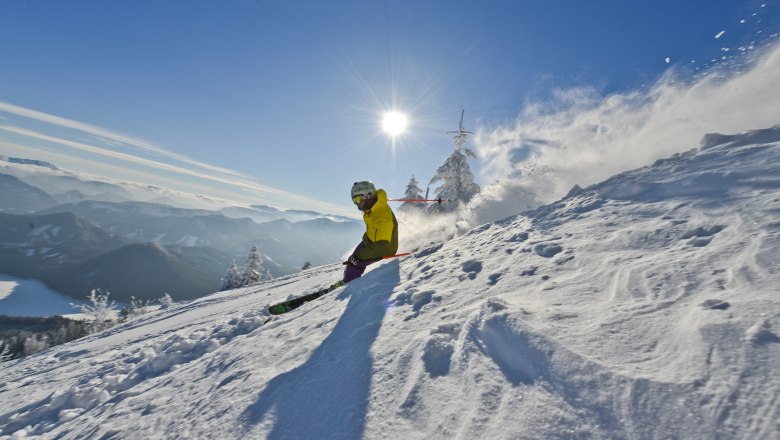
[381, 237]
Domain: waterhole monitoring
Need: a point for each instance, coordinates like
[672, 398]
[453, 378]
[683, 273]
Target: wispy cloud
[154, 163]
[111, 137]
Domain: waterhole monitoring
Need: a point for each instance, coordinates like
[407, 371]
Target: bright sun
[394, 123]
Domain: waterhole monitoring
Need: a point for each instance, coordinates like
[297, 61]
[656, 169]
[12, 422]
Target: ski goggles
[358, 199]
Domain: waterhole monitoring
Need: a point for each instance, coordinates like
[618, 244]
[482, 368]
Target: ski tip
[277, 309]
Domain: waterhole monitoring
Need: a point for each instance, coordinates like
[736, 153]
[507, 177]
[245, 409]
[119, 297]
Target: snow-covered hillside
[642, 307]
[19, 297]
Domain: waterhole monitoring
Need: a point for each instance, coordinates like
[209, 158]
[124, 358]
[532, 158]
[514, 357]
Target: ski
[292, 304]
[286, 306]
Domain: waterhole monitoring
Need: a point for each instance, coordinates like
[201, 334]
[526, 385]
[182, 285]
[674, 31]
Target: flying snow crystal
[720, 34]
[668, 60]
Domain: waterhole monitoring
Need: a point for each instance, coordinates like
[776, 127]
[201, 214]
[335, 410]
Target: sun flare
[394, 123]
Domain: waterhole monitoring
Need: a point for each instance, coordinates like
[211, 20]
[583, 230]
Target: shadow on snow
[327, 397]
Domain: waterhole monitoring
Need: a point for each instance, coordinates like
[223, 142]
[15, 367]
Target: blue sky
[286, 97]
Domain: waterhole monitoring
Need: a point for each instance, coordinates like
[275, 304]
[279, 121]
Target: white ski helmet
[361, 192]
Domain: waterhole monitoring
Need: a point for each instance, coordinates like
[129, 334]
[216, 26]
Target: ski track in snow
[643, 307]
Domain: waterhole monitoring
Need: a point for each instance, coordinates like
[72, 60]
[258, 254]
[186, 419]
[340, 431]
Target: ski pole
[439, 200]
[396, 256]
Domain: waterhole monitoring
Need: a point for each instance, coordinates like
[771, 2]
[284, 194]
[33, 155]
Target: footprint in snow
[715, 304]
[472, 268]
[417, 300]
[701, 236]
[519, 237]
[531, 271]
[547, 250]
[437, 355]
[420, 299]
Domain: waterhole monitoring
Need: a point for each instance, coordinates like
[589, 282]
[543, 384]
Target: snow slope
[645, 306]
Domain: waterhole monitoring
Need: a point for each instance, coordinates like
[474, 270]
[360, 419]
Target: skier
[380, 240]
[381, 237]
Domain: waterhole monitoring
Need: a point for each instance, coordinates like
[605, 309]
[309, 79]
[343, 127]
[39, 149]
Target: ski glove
[352, 261]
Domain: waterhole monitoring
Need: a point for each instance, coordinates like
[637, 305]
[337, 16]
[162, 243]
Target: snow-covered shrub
[99, 312]
[5, 351]
[136, 308]
[34, 344]
[166, 302]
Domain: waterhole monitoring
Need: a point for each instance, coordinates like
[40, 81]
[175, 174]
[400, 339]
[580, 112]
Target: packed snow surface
[645, 306]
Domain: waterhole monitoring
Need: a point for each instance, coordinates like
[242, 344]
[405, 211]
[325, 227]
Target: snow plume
[419, 228]
[583, 137]
[497, 201]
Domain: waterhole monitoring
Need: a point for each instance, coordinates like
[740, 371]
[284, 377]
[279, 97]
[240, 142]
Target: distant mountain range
[76, 235]
[21, 197]
[38, 163]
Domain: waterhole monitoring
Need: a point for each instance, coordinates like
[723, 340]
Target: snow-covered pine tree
[253, 269]
[457, 181]
[412, 192]
[231, 279]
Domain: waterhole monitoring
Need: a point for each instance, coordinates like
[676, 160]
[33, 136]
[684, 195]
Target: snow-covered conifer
[253, 269]
[412, 192]
[231, 279]
[457, 181]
